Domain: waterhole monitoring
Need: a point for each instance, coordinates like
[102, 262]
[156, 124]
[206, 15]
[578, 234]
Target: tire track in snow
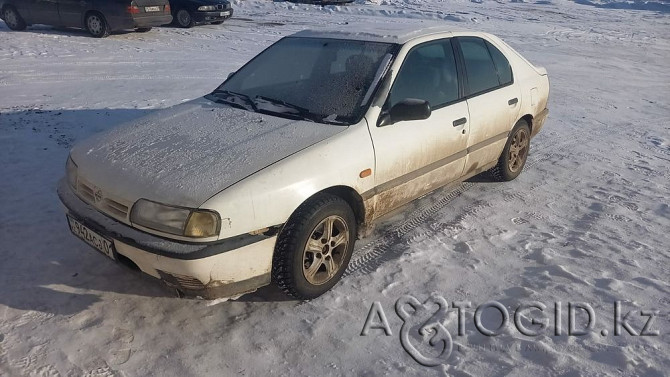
[370, 256]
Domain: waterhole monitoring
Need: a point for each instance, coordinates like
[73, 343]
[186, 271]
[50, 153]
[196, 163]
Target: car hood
[185, 154]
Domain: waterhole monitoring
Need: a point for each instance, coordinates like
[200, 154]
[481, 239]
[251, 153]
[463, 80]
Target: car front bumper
[226, 268]
[212, 16]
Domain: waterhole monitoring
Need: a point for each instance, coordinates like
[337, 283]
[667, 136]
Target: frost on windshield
[321, 79]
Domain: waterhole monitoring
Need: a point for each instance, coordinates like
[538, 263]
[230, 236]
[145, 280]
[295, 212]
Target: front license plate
[222, 14]
[152, 9]
[92, 238]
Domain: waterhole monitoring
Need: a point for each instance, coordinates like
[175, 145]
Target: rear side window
[502, 65]
[479, 67]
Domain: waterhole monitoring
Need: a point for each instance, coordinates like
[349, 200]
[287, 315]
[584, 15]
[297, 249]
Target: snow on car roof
[393, 33]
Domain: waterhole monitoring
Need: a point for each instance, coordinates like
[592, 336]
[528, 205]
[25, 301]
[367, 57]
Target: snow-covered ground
[588, 220]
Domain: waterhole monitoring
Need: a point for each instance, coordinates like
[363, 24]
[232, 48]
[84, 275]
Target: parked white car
[275, 174]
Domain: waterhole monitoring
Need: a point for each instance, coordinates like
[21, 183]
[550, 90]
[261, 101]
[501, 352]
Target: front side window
[480, 70]
[428, 73]
[324, 80]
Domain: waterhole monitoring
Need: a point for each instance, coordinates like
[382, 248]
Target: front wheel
[314, 248]
[13, 19]
[97, 25]
[183, 19]
[514, 155]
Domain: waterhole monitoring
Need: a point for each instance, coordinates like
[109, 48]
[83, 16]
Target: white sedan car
[274, 175]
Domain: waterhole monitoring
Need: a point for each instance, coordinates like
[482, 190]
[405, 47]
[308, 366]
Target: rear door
[72, 11]
[416, 157]
[493, 100]
[45, 12]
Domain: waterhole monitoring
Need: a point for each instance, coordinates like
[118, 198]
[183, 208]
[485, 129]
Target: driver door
[418, 156]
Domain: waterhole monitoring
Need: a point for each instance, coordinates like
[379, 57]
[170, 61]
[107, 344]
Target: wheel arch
[6, 5]
[350, 196]
[90, 11]
[529, 119]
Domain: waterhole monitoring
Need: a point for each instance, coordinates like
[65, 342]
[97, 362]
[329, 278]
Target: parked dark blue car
[187, 13]
[99, 17]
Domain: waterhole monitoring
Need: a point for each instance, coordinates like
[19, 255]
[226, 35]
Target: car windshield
[317, 79]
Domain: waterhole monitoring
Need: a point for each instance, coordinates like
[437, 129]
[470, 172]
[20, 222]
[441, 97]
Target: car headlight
[181, 221]
[206, 8]
[71, 172]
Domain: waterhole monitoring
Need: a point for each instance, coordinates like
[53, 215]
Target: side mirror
[230, 74]
[407, 109]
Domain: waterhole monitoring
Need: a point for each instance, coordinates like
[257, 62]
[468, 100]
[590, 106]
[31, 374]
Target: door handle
[513, 101]
[460, 122]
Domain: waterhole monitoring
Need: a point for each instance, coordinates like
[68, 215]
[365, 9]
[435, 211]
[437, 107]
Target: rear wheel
[314, 248]
[183, 18]
[143, 29]
[97, 25]
[13, 19]
[514, 155]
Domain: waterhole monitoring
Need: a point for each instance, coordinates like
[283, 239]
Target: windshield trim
[360, 111]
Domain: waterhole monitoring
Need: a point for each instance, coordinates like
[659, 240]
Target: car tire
[143, 29]
[184, 19]
[514, 155]
[314, 247]
[96, 25]
[13, 19]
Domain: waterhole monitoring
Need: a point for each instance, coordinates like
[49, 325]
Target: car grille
[115, 208]
[222, 6]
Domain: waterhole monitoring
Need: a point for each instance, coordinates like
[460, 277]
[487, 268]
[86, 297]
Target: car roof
[393, 33]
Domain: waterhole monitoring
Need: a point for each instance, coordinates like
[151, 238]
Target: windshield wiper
[282, 108]
[285, 104]
[294, 110]
[248, 103]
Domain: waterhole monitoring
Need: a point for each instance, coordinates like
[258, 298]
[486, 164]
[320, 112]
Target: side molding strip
[435, 165]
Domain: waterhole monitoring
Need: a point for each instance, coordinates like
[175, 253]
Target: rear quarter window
[502, 65]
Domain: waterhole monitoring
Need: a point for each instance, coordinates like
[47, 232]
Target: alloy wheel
[518, 150]
[325, 250]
